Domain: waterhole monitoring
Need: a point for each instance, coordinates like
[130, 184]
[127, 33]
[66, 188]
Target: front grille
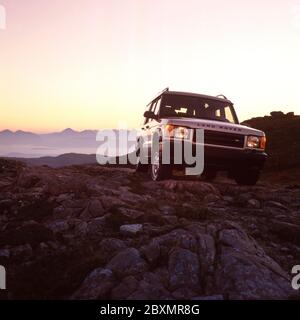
[222, 139]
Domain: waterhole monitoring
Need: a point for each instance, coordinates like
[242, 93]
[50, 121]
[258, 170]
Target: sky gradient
[96, 63]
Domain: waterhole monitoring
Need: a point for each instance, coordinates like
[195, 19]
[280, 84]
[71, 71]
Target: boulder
[96, 285]
[150, 288]
[184, 270]
[127, 262]
[131, 229]
[94, 209]
[110, 246]
[244, 271]
[151, 252]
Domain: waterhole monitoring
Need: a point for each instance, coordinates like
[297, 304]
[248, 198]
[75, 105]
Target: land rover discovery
[228, 146]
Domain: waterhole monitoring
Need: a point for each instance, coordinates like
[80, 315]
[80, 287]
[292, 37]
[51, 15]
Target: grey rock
[96, 285]
[127, 262]
[245, 272]
[151, 252]
[177, 238]
[253, 203]
[81, 229]
[110, 246]
[184, 269]
[131, 229]
[94, 209]
[150, 288]
[58, 226]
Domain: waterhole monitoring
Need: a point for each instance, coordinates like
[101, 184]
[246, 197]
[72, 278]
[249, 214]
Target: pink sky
[96, 63]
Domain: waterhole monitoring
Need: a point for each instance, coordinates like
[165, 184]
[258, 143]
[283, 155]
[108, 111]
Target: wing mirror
[150, 115]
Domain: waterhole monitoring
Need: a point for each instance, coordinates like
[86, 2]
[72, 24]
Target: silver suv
[228, 146]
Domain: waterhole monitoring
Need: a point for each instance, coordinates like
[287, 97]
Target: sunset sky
[91, 64]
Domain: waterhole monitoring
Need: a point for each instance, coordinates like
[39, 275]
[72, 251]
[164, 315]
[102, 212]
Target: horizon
[96, 130]
[60, 130]
[95, 64]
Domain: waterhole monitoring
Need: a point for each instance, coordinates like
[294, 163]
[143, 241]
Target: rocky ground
[92, 232]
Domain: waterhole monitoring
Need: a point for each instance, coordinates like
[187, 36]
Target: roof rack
[221, 96]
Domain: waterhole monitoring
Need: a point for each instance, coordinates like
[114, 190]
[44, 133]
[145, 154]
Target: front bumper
[222, 158]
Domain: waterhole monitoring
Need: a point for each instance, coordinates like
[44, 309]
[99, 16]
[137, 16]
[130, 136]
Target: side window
[157, 106]
[229, 115]
[154, 106]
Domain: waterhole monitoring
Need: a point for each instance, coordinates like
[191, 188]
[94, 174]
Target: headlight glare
[181, 133]
[177, 132]
[255, 142]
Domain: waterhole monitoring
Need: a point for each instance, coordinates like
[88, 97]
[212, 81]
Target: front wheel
[160, 171]
[247, 177]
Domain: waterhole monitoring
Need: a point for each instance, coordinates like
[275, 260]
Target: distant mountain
[283, 132]
[67, 136]
[28, 144]
[68, 131]
[18, 137]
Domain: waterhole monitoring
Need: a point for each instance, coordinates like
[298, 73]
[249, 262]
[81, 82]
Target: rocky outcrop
[91, 232]
[283, 149]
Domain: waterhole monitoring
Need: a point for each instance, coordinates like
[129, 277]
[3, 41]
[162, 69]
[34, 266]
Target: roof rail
[159, 93]
[166, 89]
[221, 96]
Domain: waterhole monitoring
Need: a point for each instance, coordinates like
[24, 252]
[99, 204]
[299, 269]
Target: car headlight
[255, 142]
[177, 132]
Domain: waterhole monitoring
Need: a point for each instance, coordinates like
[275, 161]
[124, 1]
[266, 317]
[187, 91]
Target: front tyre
[160, 171]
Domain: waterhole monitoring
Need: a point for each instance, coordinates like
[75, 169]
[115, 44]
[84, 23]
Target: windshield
[197, 107]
